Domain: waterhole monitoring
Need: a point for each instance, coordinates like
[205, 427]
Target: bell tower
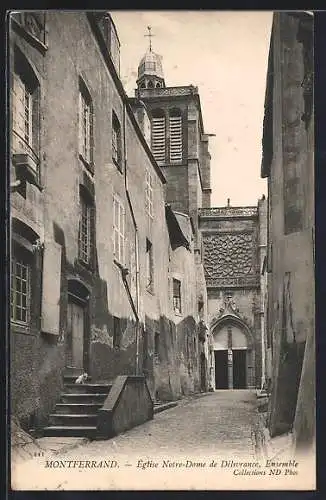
[150, 70]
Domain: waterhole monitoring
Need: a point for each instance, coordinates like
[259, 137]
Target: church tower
[177, 139]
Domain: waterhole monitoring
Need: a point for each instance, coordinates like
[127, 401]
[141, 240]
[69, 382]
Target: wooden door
[221, 369]
[76, 319]
[239, 368]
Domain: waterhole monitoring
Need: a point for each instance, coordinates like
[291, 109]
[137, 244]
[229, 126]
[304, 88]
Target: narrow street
[212, 427]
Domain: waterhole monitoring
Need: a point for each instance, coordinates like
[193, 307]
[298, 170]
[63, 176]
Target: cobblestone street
[207, 442]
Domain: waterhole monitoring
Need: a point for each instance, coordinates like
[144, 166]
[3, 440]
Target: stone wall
[290, 225]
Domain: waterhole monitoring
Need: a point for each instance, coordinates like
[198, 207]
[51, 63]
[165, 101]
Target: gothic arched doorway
[233, 355]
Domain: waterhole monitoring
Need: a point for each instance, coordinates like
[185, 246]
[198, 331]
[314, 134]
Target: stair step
[83, 398]
[73, 431]
[72, 420]
[87, 388]
[78, 408]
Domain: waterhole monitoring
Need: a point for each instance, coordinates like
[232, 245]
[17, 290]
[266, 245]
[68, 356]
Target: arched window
[158, 135]
[142, 85]
[158, 85]
[150, 84]
[175, 128]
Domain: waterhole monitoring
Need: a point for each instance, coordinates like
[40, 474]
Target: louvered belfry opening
[175, 124]
[158, 135]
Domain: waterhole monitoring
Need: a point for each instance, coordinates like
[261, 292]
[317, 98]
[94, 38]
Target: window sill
[26, 169]
[21, 328]
[117, 164]
[87, 164]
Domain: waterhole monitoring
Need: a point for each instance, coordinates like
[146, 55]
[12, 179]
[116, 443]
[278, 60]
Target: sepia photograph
[162, 250]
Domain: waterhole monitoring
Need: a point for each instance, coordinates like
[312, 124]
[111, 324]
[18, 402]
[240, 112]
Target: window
[177, 296]
[158, 135]
[157, 346]
[149, 266]
[33, 23]
[175, 124]
[86, 228]
[25, 115]
[151, 66]
[116, 141]
[116, 332]
[85, 124]
[20, 290]
[118, 229]
[149, 193]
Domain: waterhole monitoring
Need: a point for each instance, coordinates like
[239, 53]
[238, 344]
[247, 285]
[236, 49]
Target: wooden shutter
[175, 139]
[51, 287]
[158, 138]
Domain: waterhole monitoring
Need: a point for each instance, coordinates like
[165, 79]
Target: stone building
[288, 145]
[180, 146]
[107, 274]
[234, 243]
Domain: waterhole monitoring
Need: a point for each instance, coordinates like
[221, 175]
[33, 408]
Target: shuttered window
[175, 122]
[158, 138]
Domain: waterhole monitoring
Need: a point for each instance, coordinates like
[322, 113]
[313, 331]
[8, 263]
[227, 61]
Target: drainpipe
[262, 248]
[135, 307]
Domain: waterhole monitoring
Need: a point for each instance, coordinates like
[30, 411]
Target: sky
[224, 54]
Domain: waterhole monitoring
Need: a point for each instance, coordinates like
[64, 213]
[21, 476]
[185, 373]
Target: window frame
[86, 126]
[86, 204]
[25, 119]
[177, 297]
[19, 256]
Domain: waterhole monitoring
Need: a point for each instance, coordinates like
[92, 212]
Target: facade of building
[288, 147]
[106, 274]
[234, 242]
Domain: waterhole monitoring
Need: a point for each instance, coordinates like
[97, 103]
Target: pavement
[197, 444]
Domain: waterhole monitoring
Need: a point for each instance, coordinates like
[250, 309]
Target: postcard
[162, 329]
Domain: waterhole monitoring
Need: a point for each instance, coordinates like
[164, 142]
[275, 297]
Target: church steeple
[150, 70]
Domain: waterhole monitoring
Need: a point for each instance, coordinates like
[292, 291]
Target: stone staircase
[76, 412]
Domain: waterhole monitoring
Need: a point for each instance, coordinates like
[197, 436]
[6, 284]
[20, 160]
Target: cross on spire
[150, 35]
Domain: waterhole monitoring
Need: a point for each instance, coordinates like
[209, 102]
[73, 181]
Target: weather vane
[150, 37]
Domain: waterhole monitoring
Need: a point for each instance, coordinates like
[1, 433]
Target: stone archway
[233, 354]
